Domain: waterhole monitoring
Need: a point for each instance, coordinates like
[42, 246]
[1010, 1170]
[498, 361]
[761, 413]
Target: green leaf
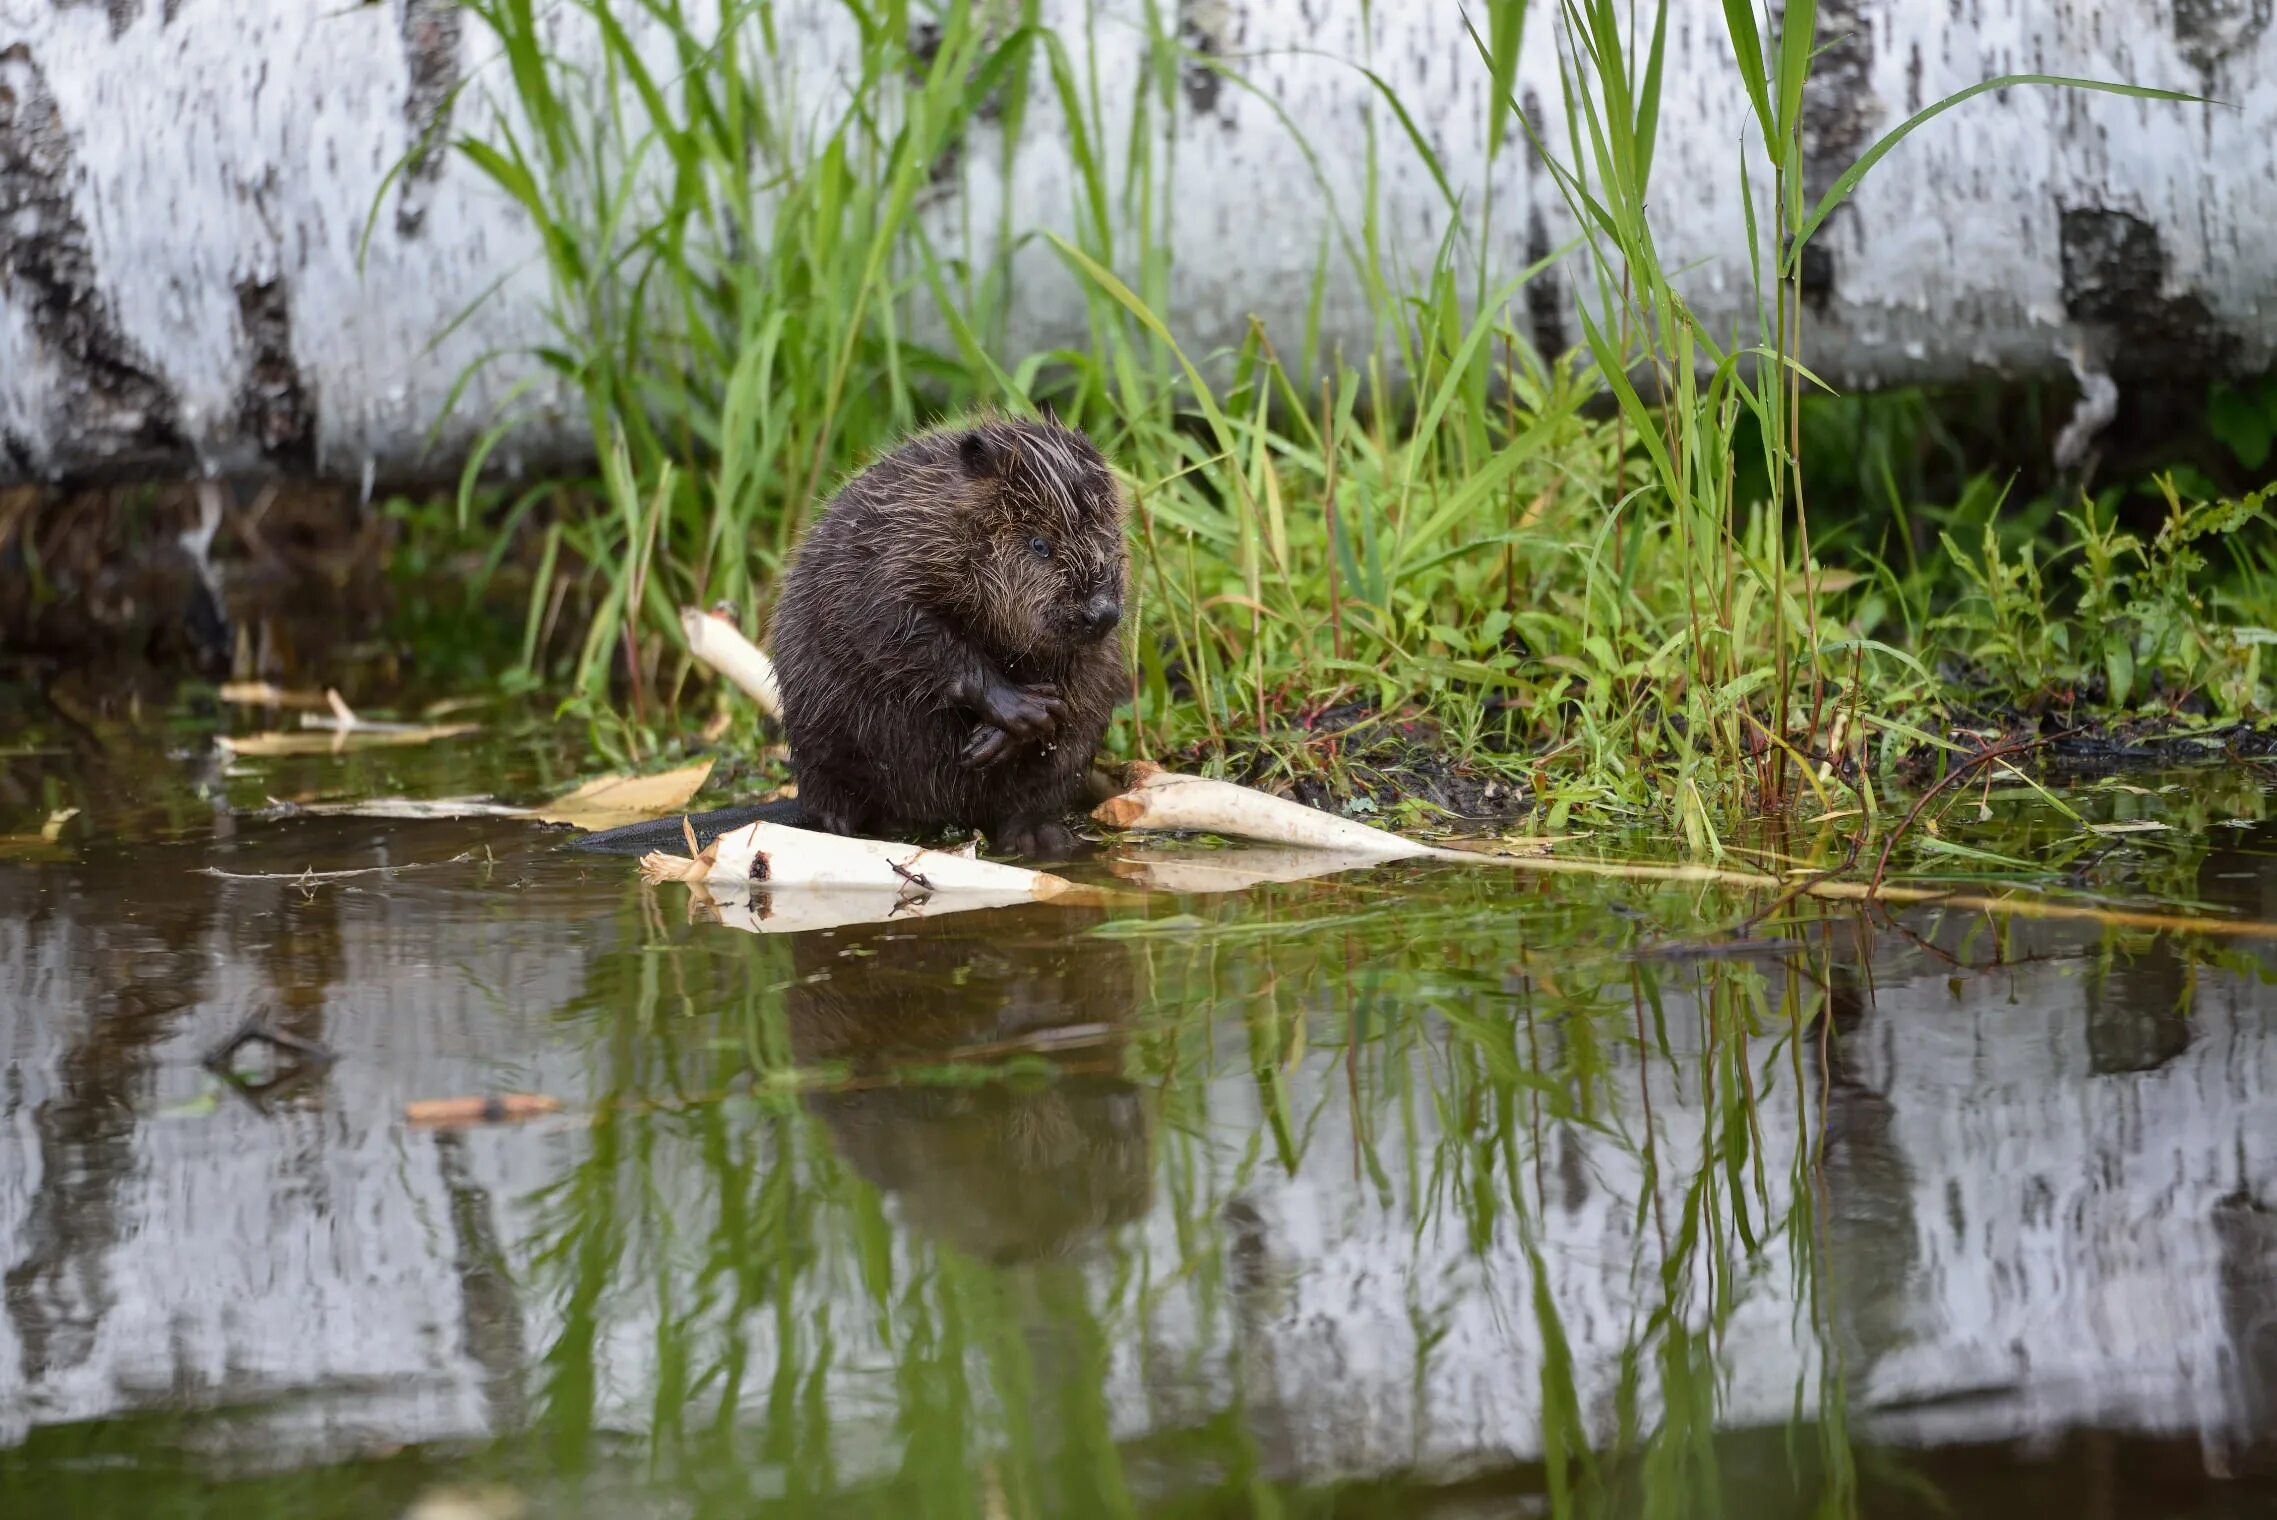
[1747, 52]
[2119, 670]
[1930, 844]
[1506, 33]
[1648, 98]
[2243, 427]
[1796, 30]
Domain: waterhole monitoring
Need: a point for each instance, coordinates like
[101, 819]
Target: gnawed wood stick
[718, 643]
[773, 855]
[1165, 801]
[1162, 800]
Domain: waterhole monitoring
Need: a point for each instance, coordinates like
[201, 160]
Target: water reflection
[1004, 1172]
[1407, 1190]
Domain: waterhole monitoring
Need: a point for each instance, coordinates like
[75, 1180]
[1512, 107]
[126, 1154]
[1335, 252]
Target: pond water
[1418, 1190]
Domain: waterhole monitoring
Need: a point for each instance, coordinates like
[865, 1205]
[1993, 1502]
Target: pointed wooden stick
[716, 642]
[1161, 800]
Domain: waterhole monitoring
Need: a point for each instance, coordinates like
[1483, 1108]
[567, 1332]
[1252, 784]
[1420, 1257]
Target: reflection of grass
[815, 1348]
[1431, 1091]
[1609, 1175]
[736, 252]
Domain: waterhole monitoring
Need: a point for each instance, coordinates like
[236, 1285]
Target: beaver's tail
[667, 834]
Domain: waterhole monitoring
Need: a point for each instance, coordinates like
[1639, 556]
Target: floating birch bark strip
[775, 855]
[718, 643]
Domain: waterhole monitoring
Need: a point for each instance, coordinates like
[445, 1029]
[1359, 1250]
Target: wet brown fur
[917, 614]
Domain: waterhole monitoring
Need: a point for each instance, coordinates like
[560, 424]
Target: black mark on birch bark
[110, 403]
[1530, 102]
[2114, 279]
[2211, 31]
[1545, 296]
[995, 20]
[121, 12]
[431, 32]
[276, 407]
[1841, 114]
[1202, 28]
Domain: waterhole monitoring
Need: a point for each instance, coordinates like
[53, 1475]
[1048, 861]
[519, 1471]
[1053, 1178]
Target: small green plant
[2244, 418]
[2144, 625]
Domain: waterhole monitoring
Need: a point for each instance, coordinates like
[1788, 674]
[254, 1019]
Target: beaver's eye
[1040, 546]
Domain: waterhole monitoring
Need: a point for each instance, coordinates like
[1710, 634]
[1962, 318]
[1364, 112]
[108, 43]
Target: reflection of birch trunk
[490, 1307]
[2138, 1015]
[1868, 1247]
[145, 972]
[2245, 1231]
[1256, 1368]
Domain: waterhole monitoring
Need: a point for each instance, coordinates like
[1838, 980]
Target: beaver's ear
[983, 456]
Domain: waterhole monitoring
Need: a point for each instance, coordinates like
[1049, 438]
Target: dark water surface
[1419, 1190]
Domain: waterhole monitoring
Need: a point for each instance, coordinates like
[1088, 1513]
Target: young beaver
[946, 641]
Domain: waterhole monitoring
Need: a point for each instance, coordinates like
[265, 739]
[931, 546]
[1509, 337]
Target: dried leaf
[607, 801]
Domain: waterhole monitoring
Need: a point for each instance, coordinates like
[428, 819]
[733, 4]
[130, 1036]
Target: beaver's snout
[1101, 614]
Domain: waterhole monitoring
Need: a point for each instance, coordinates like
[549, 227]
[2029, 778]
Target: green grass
[1595, 570]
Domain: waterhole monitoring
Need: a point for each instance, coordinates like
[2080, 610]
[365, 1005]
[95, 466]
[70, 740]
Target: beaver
[947, 642]
[947, 639]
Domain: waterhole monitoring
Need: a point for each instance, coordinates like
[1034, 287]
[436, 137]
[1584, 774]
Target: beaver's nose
[1101, 614]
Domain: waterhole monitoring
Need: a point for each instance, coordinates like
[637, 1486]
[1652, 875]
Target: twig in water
[312, 875]
[1952, 778]
[1747, 925]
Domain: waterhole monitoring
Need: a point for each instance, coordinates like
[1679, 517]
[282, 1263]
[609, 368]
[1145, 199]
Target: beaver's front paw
[1031, 714]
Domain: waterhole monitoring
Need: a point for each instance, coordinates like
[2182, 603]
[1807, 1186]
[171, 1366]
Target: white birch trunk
[183, 184]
